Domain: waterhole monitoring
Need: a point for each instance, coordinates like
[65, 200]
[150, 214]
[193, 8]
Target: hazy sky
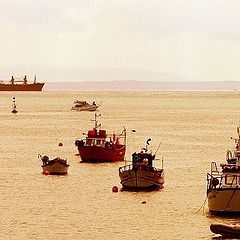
[196, 39]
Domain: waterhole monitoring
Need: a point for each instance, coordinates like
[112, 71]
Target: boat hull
[56, 168]
[141, 179]
[89, 109]
[101, 154]
[22, 87]
[231, 231]
[226, 200]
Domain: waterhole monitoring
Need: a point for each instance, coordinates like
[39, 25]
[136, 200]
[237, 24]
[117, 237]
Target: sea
[192, 128]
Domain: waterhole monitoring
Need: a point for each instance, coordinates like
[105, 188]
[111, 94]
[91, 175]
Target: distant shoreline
[143, 86]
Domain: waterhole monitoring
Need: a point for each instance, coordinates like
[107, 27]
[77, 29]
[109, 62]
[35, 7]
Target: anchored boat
[84, 106]
[141, 173]
[223, 191]
[56, 166]
[100, 147]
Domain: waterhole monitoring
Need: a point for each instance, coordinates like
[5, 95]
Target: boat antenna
[158, 148]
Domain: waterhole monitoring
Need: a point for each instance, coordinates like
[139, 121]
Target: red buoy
[114, 189]
[60, 144]
[46, 173]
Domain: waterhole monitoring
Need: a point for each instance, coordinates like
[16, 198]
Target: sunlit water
[194, 127]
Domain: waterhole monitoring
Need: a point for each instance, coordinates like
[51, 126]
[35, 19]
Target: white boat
[226, 230]
[141, 173]
[56, 166]
[223, 185]
[84, 106]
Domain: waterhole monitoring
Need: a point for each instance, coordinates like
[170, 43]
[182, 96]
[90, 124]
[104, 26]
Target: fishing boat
[223, 190]
[141, 173]
[84, 106]
[226, 230]
[14, 106]
[56, 166]
[100, 147]
[21, 84]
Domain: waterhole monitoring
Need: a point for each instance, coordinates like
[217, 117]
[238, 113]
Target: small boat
[98, 147]
[141, 173]
[223, 190]
[14, 106]
[226, 230]
[84, 106]
[56, 166]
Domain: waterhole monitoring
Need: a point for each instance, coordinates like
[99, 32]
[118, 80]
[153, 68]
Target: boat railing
[222, 181]
[214, 169]
[139, 167]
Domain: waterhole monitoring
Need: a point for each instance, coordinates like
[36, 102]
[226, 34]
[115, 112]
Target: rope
[202, 205]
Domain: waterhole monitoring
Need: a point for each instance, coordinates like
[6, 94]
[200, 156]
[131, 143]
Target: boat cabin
[228, 177]
[142, 158]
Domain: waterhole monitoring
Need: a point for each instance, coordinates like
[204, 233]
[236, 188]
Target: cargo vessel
[21, 84]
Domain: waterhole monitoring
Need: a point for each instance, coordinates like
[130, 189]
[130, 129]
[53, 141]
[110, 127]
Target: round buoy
[46, 173]
[60, 144]
[144, 202]
[114, 189]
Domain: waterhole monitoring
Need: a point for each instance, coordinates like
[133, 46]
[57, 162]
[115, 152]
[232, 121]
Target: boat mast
[96, 122]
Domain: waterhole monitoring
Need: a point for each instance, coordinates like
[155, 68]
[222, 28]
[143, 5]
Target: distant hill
[50, 74]
[112, 79]
[141, 86]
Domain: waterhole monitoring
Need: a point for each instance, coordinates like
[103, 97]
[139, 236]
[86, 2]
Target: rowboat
[56, 166]
[226, 230]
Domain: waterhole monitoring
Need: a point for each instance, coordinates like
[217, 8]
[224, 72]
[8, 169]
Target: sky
[195, 39]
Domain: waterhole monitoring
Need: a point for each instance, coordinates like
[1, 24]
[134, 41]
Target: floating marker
[114, 189]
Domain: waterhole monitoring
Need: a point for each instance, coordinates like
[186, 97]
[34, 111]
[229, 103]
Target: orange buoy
[114, 189]
[60, 144]
[46, 173]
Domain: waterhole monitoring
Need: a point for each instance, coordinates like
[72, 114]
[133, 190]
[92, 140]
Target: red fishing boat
[99, 147]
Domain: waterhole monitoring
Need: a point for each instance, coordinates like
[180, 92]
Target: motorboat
[226, 230]
[100, 147]
[223, 184]
[84, 106]
[141, 173]
[56, 166]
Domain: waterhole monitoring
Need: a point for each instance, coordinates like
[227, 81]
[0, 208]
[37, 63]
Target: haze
[189, 39]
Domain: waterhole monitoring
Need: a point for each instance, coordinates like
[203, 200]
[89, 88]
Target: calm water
[195, 129]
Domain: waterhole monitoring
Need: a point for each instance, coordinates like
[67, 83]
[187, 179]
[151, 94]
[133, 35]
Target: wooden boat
[56, 166]
[226, 230]
[98, 147]
[141, 173]
[84, 106]
[19, 84]
[223, 190]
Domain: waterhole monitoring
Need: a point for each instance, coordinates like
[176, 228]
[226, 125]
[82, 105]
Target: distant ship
[21, 84]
